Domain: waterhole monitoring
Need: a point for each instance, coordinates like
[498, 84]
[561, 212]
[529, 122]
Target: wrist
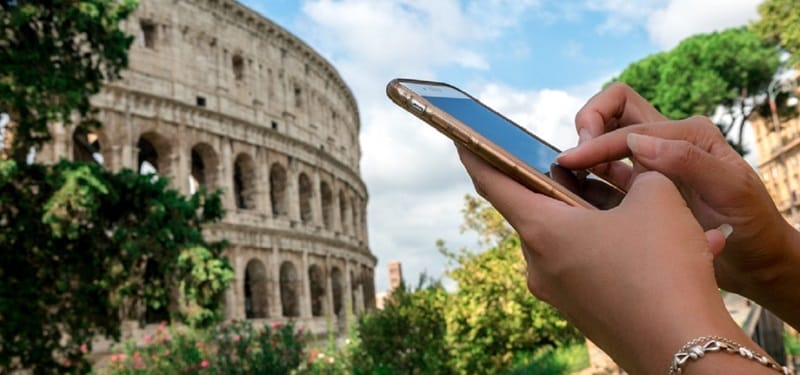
[777, 287]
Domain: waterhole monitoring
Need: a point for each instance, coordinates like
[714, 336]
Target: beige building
[779, 162]
[216, 94]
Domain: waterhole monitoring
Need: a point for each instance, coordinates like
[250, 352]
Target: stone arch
[204, 165]
[277, 189]
[316, 280]
[153, 154]
[326, 195]
[344, 212]
[304, 190]
[88, 146]
[337, 286]
[244, 182]
[256, 301]
[289, 290]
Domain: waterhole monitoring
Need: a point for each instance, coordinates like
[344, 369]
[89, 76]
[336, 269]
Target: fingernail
[565, 153]
[726, 230]
[642, 145]
[584, 135]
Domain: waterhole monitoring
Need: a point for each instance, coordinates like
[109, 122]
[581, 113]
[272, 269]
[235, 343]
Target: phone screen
[518, 142]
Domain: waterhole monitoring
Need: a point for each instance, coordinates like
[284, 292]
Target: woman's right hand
[762, 256]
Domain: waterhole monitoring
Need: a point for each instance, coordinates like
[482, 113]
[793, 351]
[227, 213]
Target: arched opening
[355, 215]
[154, 278]
[204, 167]
[304, 192]
[148, 157]
[244, 182]
[256, 303]
[344, 212]
[153, 152]
[327, 204]
[316, 280]
[353, 292]
[277, 189]
[86, 147]
[289, 290]
[337, 284]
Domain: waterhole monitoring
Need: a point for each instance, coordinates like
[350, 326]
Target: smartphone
[507, 146]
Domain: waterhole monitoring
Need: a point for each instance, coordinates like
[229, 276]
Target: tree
[78, 241]
[84, 248]
[780, 23]
[492, 316]
[728, 70]
[56, 54]
[408, 335]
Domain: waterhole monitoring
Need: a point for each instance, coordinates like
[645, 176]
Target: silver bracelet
[698, 347]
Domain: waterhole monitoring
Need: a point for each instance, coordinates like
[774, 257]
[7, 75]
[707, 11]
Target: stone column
[226, 177]
[329, 313]
[292, 193]
[316, 200]
[305, 296]
[276, 308]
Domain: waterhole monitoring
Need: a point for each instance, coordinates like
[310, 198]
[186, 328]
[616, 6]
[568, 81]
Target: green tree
[84, 248]
[407, 336]
[728, 70]
[492, 316]
[780, 23]
[56, 54]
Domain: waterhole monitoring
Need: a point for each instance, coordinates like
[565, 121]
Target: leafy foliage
[408, 335]
[492, 315]
[233, 348]
[730, 69]
[78, 241]
[780, 23]
[56, 54]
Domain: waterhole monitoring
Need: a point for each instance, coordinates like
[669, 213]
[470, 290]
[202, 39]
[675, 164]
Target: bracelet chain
[697, 348]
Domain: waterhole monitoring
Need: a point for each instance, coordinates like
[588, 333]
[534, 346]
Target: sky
[535, 61]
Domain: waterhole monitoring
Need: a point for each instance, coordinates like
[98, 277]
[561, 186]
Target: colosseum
[217, 95]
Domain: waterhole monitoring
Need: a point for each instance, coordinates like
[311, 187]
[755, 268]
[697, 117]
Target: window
[238, 67]
[298, 97]
[149, 34]
[274, 125]
[201, 101]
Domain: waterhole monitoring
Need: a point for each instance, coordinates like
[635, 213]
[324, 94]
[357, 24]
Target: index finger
[615, 107]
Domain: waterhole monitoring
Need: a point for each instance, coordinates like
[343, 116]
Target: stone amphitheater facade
[216, 94]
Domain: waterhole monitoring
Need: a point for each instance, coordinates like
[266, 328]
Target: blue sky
[537, 61]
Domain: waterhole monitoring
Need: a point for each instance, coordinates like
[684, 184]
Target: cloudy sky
[536, 61]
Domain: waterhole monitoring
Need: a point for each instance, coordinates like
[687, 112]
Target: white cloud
[622, 16]
[669, 25]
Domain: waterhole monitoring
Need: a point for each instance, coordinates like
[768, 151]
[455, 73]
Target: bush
[229, 348]
[551, 361]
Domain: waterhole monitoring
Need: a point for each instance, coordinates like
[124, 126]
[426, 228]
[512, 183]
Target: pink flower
[204, 364]
[237, 338]
[147, 339]
[84, 348]
[276, 325]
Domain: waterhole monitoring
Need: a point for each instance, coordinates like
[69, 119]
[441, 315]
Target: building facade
[217, 95]
[778, 143]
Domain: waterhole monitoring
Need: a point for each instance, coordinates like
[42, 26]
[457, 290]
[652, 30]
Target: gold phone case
[478, 144]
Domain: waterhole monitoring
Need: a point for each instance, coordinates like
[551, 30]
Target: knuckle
[619, 88]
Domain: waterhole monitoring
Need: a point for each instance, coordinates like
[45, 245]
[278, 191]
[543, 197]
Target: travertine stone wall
[215, 94]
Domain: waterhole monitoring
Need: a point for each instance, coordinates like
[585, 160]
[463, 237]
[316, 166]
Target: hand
[637, 279]
[761, 257]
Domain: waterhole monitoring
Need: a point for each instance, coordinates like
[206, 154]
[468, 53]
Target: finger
[716, 238]
[614, 145]
[618, 173]
[616, 106]
[649, 187]
[685, 163]
[515, 202]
